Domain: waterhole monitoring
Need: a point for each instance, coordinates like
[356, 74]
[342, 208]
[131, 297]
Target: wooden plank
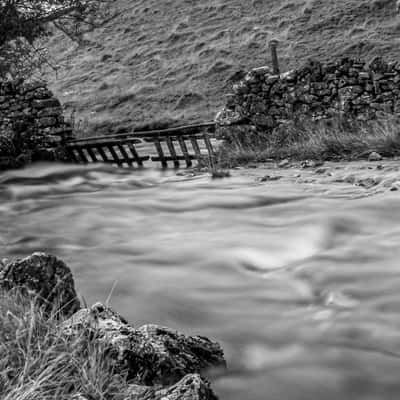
[92, 155]
[161, 156]
[114, 155]
[82, 155]
[102, 153]
[170, 158]
[208, 145]
[71, 154]
[171, 149]
[124, 154]
[135, 154]
[195, 145]
[185, 151]
[179, 130]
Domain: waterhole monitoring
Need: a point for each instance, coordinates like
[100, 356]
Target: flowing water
[300, 283]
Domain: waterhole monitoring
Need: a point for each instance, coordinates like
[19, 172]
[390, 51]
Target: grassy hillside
[174, 60]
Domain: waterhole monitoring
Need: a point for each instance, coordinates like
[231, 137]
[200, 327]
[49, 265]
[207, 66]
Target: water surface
[300, 282]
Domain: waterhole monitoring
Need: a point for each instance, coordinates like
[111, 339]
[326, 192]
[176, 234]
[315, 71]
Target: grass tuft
[39, 362]
[325, 140]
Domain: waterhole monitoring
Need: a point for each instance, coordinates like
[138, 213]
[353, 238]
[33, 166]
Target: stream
[298, 281]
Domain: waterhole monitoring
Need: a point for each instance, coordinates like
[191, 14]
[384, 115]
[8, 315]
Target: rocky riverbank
[148, 362]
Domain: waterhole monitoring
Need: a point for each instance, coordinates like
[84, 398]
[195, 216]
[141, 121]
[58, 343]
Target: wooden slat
[102, 153]
[124, 154]
[82, 155]
[91, 153]
[114, 155]
[170, 158]
[195, 146]
[171, 149]
[71, 154]
[208, 145]
[161, 156]
[135, 154]
[185, 151]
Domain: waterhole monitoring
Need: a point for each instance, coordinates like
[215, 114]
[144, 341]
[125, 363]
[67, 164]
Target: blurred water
[301, 287]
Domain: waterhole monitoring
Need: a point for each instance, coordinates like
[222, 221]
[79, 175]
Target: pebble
[395, 186]
[367, 182]
[374, 156]
[308, 164]
[268, 178]
[284, 163]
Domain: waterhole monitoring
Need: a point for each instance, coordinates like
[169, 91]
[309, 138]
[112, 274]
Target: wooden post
[273, 44]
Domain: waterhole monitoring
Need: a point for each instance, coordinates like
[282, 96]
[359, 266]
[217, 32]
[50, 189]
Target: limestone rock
[191, 387]
[374, 156]
[150, 354]
[30, 118]
[227, 117]
[45, 276]
[7, 148]
[348, 88]
[284, 163]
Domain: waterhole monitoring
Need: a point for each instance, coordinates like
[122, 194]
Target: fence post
[273, 44]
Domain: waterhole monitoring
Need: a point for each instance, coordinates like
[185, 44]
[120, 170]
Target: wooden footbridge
[168, 147]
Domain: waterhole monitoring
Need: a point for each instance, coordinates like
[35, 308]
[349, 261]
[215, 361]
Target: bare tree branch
[24, 22]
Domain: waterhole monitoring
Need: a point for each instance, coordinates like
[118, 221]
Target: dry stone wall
[347, 88]
[32, 125]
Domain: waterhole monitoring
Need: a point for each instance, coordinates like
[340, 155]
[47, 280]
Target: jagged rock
[191, 387]
[45, 277]
[149, 355]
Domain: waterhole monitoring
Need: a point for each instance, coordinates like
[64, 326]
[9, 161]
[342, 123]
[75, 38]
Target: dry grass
[174, 60]
[334, 140]
[38, 362]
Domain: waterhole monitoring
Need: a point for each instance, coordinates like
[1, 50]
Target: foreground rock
[158, 363]
[150, 355]
[46, 277]
[191, 387]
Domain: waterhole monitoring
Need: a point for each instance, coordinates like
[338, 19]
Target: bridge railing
[175, 145]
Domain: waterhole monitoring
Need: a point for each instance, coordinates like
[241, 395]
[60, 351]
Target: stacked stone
[347, 88]
[31, 121]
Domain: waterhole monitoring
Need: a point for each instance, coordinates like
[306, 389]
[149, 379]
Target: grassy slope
[171, 59]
